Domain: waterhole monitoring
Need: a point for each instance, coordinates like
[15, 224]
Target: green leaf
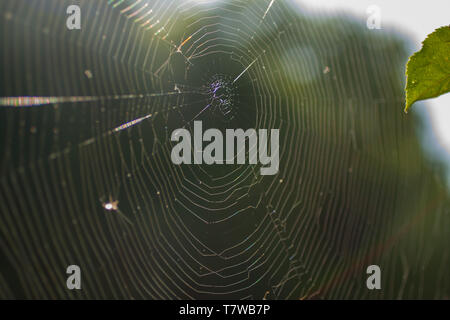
[428, 70]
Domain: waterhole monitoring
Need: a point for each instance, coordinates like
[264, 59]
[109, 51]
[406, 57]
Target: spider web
[87, 179]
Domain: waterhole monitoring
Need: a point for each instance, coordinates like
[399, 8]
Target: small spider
[112, 205]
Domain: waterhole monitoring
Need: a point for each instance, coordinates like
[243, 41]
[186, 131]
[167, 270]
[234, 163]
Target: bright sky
[417, 18]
